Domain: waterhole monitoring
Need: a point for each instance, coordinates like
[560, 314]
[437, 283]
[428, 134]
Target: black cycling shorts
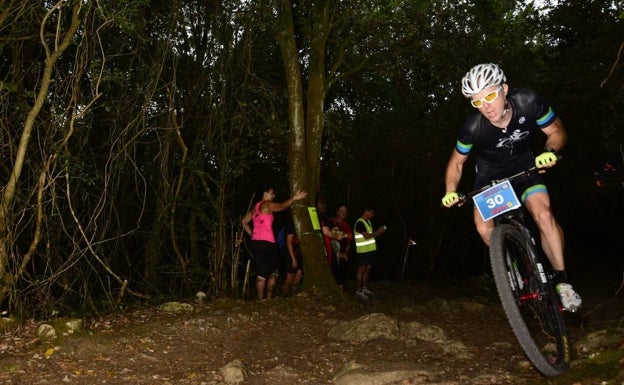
[523, 186]
[265, 258]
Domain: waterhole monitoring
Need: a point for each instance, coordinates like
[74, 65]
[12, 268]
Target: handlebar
[463, 198]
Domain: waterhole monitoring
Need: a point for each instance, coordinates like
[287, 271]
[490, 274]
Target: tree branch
[619, 54]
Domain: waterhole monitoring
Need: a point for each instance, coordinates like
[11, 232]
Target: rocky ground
[287, 341]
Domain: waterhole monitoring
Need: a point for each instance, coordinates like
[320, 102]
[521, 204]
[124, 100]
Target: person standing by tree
[292, 260]
[500, 134]
[263, 245]
[328, 235]
[366, 250]
[340, 225]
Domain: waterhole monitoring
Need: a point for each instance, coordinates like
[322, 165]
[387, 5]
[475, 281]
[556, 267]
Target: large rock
[46, 332]
[176, 307]
[430, 333]
[356, 374]
[368, 327]
[234, 372]
[74, 325]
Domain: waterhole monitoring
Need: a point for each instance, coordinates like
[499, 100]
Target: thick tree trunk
[306, 130]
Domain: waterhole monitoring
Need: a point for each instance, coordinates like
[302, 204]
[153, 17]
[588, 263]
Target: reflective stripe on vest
[363, 245]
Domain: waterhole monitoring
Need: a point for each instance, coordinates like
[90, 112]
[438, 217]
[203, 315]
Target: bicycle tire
[529, 300]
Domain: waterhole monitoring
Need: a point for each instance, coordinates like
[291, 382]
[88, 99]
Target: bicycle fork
[517, 281]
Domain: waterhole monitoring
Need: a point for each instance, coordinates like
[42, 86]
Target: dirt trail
[285, 341]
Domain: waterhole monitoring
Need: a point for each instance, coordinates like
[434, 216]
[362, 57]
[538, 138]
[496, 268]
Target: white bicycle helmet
[481, 77]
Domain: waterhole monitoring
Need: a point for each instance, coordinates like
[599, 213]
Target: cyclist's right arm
[454, 170]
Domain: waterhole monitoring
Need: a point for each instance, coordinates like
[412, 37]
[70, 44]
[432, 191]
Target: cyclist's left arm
[556, 135]
[556, 139]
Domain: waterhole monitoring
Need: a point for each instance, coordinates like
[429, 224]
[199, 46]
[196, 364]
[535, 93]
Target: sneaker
[570, 300]
[361, 295]
[367, 292]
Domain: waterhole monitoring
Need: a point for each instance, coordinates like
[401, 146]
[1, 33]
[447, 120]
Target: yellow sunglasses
[489, 98]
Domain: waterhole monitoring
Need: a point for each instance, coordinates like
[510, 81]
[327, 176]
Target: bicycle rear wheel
[529, 300]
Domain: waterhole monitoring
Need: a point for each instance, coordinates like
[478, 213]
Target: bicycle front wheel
[529, 300]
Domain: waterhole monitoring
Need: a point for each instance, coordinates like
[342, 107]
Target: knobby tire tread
[503, 240]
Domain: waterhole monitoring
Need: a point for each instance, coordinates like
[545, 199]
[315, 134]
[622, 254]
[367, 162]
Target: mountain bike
[523, 274]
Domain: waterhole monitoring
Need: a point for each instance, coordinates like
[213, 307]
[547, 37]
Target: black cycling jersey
[502, 152]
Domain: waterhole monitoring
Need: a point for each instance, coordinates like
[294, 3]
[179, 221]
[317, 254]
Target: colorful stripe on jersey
[463, 148]
[548, 118]
[532, 190]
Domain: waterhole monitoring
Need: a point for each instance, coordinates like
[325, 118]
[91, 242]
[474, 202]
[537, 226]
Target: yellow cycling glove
[546, 159]
[450, 199]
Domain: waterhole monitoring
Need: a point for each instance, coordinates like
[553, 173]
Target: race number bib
[496, 200]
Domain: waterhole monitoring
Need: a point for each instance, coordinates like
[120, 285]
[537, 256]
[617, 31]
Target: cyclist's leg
[538, 204]
[484, 228]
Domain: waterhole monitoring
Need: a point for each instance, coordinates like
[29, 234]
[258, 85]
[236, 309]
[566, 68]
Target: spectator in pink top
[263, 246]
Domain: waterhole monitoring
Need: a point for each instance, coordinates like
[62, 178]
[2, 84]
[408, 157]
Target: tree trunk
[306, 131]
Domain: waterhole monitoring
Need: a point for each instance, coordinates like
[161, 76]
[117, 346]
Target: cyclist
[500, 133]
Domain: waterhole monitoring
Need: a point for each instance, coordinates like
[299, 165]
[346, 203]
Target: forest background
[134, 133]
